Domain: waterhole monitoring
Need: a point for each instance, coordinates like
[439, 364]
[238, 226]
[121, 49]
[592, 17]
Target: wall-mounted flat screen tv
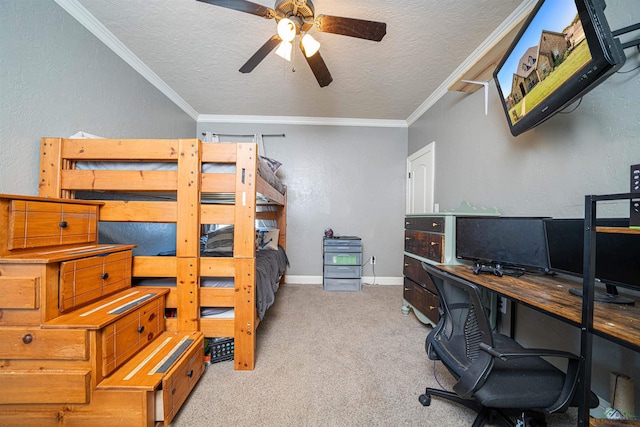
[564, 49]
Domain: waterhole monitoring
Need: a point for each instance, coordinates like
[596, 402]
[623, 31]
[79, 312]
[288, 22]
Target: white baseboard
[370, 280]
[303, 280]
[366, 280]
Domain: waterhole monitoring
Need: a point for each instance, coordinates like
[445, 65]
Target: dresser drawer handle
[407, 238]
[63, 224]
[141, 329]
[434, 224]
[152, 316]
[406, 265]
[27, 339]
[434, 243]
[190, 373]
[406, 289]
[431, 307]
[105, 276]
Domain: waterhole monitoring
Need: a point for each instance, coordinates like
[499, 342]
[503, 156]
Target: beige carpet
[330, 359]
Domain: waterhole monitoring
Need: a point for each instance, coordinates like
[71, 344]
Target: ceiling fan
[297, 17]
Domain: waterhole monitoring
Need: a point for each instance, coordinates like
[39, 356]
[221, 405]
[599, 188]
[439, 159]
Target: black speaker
[634, 215]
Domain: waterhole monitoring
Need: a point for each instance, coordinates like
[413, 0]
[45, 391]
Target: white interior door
[420, 180]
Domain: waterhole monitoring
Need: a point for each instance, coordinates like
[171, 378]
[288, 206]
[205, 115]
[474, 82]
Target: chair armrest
[571, 376]
[525, 352]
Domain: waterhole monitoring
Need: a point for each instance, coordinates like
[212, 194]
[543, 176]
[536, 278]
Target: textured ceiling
[197, 49]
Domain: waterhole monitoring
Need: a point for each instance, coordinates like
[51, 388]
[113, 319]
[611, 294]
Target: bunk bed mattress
[264, 170]
[270, 266]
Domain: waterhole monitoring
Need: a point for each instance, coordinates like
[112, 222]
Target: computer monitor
[511, 242]
[617, 255]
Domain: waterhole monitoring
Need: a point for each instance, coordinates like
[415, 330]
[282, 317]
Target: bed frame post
[245, 201]
[245, 316]
[282, 226]
[188, 234]
[244, 254]
[49, 184]
[281, 221]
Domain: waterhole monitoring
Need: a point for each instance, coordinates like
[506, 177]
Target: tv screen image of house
[551, 50]
[617, 254]
[564, 49]
[509, 241]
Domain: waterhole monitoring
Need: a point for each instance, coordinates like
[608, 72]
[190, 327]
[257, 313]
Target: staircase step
[146, 370]
[106, 311]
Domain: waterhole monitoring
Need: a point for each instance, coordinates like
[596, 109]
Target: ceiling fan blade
[260, 54]
[244, 6]
[369, 30]
[319, 68]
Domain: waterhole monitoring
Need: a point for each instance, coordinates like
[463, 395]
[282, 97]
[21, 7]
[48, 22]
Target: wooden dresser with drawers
[424, 240]
[78, 344]
[431, 238]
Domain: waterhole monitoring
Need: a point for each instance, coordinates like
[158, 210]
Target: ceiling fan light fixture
[310, 45]
[284, 50]
[295, 17]
[287, 30]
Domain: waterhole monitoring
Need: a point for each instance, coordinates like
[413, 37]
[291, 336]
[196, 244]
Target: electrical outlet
[503, 305]
[373, 260]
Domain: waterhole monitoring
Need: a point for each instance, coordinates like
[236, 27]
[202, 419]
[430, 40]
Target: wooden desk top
[550, 294]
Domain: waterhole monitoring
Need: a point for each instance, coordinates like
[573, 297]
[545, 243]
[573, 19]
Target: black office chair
[495, 375]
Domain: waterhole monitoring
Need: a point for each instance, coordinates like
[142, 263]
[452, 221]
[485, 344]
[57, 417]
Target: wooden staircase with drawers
[78, 344]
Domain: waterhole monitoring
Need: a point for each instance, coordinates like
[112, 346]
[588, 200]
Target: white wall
[546, 171]
[57, 79]
[350, 179]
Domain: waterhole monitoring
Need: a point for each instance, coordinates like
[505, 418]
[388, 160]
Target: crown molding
[311, 121]
[85, 18]
[521, 12]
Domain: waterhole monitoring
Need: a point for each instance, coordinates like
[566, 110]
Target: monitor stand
[610, 296]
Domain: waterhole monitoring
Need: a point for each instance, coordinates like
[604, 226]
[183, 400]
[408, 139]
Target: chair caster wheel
[425, 399]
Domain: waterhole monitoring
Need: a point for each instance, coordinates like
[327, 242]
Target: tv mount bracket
[626, 30]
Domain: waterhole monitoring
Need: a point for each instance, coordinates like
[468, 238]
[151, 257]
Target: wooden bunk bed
[186, 192]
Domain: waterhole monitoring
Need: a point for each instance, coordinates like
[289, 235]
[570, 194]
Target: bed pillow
[267, 239]
[273, 164]
[220, 240]
[85, 135]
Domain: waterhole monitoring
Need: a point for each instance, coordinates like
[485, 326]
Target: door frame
[431, 147]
